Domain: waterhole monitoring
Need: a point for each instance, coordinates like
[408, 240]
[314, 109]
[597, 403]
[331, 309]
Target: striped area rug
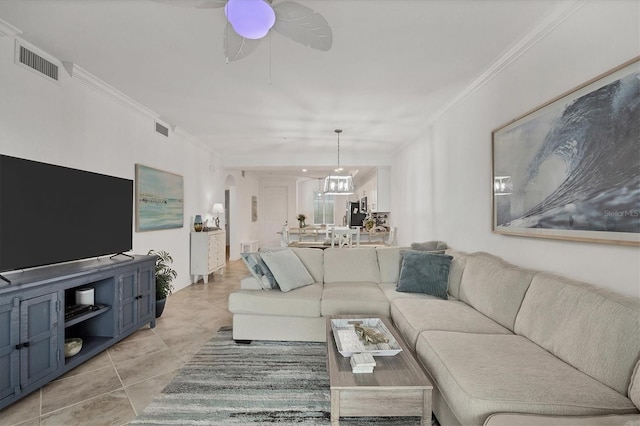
[261, 383]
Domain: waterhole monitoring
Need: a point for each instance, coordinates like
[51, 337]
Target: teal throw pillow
[423, 272]
[260, 270]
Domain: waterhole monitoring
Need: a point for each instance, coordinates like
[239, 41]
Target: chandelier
[338, 183]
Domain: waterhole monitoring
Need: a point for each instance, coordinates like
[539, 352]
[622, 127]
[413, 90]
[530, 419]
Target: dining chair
[284, 241]
[344, 236]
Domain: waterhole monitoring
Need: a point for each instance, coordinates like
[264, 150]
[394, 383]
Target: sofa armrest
[510, 419]
[250, 283]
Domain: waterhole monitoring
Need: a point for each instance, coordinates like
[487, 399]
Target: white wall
[412, 198]
[306, 189]
[442, 182]
[73, 125]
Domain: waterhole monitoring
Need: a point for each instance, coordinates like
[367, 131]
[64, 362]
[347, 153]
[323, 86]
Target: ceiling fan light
[251, 19]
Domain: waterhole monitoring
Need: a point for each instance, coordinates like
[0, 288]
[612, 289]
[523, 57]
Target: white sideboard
[208, 253]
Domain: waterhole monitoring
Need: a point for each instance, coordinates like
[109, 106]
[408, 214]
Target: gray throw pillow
[429, 246]
[288, 269]
[260, 270]
[407, 250]
[423, 272]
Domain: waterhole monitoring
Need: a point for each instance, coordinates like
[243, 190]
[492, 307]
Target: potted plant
[369, 223]
[301, 219]
[164, 275]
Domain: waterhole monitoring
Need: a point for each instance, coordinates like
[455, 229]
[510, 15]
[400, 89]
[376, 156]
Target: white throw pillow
[287, 269]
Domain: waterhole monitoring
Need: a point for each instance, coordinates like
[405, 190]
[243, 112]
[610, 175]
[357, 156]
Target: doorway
[275, 212]
[226, 224]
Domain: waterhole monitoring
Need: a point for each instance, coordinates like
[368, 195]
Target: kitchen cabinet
[377, 189]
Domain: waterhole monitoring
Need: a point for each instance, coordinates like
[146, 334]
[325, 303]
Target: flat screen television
[51, 214]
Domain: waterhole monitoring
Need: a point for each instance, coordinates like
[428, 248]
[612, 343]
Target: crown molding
[544, 27]
[84, 76]
[6, 29]
[179, 131]
[100, 86]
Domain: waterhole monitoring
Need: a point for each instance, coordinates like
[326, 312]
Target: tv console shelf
[33, 324]
[85, 316]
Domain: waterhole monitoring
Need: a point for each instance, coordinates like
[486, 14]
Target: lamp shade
[218, 208]
[338, 185]
[250, 18]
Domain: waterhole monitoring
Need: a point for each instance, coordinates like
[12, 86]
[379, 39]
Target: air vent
[162, 129]
[38, 63]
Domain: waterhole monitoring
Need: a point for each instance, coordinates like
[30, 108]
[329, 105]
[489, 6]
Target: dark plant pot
[160, 306]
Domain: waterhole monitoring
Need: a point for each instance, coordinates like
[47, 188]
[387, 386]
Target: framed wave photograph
[570, 169]
[159, 199]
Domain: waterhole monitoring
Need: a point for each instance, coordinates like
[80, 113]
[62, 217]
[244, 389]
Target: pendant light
[338, 183]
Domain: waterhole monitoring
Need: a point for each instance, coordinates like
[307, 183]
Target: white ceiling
[393, 65]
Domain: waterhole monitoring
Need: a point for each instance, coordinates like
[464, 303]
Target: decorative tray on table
[363, 335]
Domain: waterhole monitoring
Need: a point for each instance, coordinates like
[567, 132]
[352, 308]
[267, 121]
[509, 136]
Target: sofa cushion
[591, 328]
[494, 287]
[313, 260]
[353, 298]
[389, 263]
[351, 265]
[482, 374]
[412, 316]
[423, 272]
[389, 290]
[301, 302]
[288, 269]
[455, 271]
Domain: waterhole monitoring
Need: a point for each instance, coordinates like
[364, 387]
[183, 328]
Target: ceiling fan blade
[197, 4]
[302, 25]
[237, 47]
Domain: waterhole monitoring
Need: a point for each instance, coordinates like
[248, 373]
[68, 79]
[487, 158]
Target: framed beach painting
[570, 169]
[159, 199]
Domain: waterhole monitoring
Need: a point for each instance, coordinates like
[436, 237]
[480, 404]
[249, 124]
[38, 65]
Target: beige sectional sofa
[510, 345]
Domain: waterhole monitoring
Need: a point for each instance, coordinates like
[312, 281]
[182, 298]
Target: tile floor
[113, 387]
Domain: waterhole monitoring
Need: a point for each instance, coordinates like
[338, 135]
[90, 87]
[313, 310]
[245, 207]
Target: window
[323, 208]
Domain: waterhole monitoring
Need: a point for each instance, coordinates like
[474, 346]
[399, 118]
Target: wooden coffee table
[397, 387]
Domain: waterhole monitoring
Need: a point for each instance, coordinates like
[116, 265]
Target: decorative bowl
[72, 346]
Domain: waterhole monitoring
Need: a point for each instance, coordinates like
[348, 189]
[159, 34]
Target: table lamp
[217, 209]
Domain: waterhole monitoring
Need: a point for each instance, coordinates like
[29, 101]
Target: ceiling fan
[248, 21]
